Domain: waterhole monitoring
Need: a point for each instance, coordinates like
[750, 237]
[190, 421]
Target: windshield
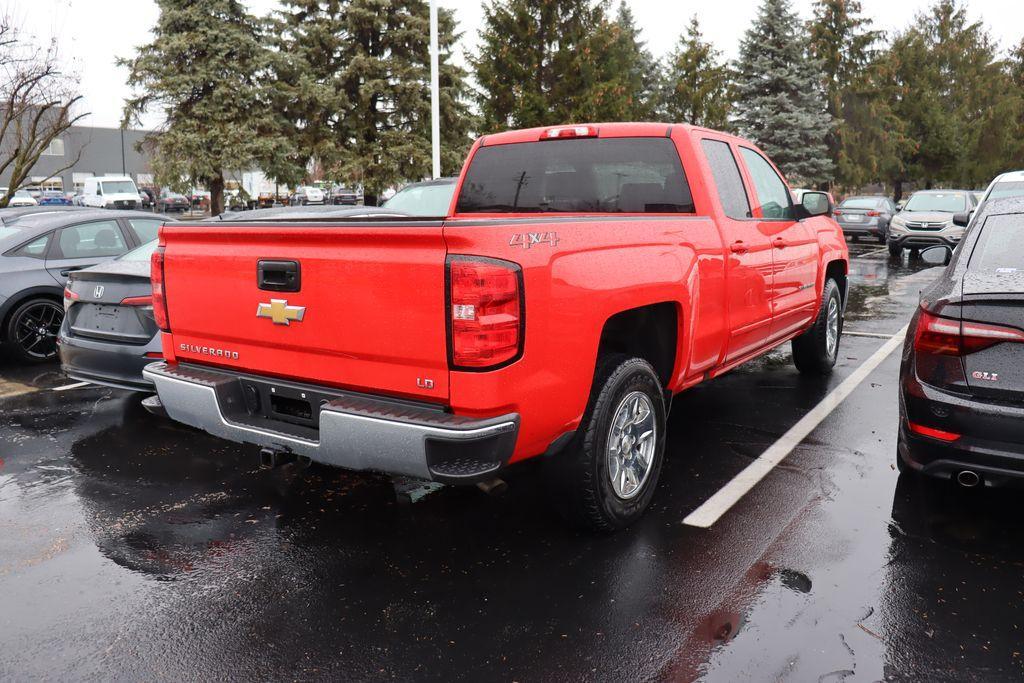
[862, 203]
[22, 193]
[141, 253]
[423, 200]
[119, 187]
[1006, 189]
[943, 202]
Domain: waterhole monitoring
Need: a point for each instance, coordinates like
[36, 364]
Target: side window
[102, 238]
[145, 228]
[34, 249]
[727, 178]
[775, 200]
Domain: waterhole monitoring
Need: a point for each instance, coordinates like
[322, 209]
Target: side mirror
[815, 204]
[961, 219]
[937, 256]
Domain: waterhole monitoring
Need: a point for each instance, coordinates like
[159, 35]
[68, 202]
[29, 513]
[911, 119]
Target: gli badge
[987, 376]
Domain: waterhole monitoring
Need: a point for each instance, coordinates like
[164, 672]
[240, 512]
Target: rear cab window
[588, 175]
[728, 181]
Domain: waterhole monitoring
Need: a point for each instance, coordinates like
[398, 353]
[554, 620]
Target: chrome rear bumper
[354, 431]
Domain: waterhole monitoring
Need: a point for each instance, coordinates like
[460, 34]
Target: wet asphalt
[132, 548]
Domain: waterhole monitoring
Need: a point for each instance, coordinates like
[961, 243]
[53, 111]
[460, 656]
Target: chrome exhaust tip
[968, 479]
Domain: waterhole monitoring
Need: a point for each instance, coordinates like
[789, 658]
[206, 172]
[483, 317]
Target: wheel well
[647, 332]
[837, 271]
[13, 306]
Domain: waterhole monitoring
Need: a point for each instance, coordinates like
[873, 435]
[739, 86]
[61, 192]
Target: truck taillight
[485, 312]
[159, 301]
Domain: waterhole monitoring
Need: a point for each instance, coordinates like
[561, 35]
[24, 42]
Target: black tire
[883, 236]
[22, 336]
[580, 478]
[813, 353]
[895, 250]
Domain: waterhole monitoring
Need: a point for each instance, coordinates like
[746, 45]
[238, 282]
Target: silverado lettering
[673, 254]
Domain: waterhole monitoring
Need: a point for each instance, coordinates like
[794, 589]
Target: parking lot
[132, 547]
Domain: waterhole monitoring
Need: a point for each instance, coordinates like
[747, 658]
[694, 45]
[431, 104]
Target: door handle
[780, 243]
[738, 247]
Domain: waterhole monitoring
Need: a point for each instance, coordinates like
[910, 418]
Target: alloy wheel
[631, 442]
[36, 328]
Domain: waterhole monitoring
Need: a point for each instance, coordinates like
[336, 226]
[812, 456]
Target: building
[104, 151]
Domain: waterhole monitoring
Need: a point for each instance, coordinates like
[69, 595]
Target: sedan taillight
[948, 337]
[159, 300]
[485, 312]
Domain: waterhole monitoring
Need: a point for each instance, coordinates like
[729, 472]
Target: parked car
[170, 202]
[962, 377]
[21, 198]
[866, 215]
[927, 219]
[109, 334]
[552, 318]
[53, 198]
[1004, 186]
[346, 195]
[110, 192]
[147, 197]
[307, 195]
[427, 198]
[38, 252]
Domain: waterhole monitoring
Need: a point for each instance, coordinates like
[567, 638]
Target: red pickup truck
[582, 277]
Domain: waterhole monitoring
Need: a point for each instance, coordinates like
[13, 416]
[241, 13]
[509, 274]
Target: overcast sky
[93, 33]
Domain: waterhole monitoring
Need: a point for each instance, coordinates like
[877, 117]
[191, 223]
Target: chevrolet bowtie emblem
[280, 312]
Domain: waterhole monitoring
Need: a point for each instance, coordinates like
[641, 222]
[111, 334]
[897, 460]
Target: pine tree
[956, 97]
[866, 137]
[640, 71]
[204, 71]
[308, 38]
[779, 101]
[385, 81]
[543, 62]
[697, 83]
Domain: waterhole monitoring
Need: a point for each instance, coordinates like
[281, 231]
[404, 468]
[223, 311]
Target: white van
[110, 192]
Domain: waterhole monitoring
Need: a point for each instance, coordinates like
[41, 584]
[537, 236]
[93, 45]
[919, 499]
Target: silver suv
[927, 220]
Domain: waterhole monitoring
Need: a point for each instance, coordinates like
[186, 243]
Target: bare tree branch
[36, 103]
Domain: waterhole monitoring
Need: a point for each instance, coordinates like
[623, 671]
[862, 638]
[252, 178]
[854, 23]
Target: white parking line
[875, 335]
[730, 494]
[68, 387]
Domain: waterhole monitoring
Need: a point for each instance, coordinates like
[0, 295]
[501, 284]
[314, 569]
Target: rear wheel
[31, 333]
[895, 250]
[883, 236]
[816, 350]
[606, 479]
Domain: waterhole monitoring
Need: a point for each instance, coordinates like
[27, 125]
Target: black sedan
[962, 377]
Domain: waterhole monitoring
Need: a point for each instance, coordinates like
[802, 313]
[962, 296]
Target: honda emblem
[98, 292]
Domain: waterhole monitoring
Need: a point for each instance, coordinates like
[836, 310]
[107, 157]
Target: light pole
[435, 100]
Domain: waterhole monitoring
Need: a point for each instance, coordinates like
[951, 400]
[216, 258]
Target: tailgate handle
[278, 276]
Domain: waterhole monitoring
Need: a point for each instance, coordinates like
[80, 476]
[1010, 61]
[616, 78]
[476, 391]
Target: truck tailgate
[372, 296]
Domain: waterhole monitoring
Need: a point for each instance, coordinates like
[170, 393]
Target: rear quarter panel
[597, 269]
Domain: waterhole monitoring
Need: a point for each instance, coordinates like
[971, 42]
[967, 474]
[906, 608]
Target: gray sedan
[39, 251]
[109, 333]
